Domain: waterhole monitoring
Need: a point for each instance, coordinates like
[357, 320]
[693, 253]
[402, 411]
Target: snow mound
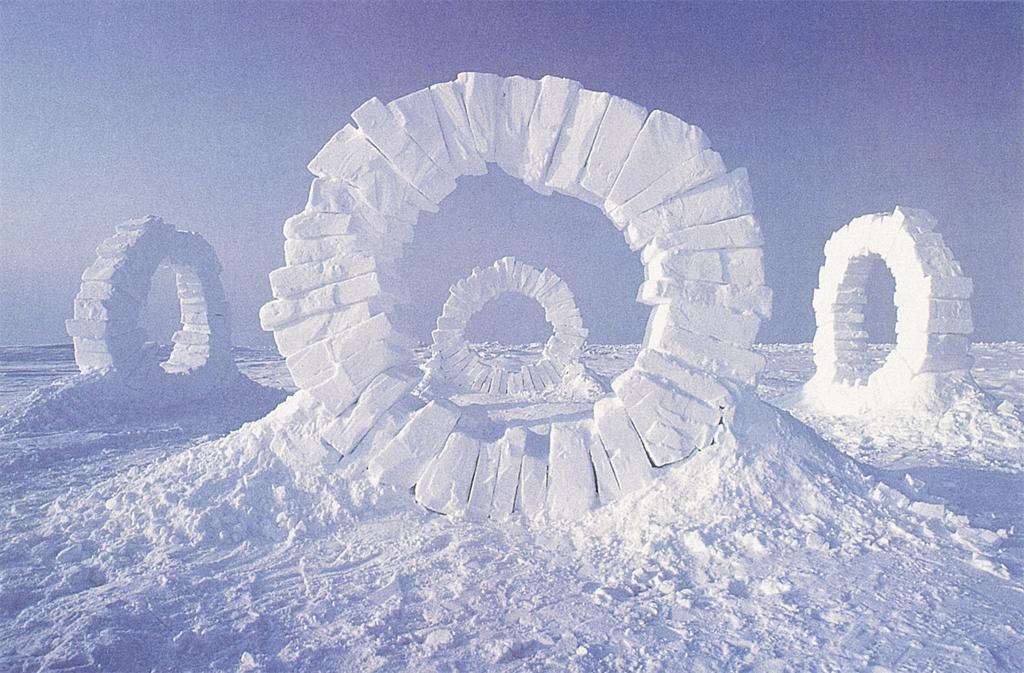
[772, 486]
[96, 400]
[578, 384]
[770, 482]
[769, 550]
[947, 418]
[253, 533]
[268, 481]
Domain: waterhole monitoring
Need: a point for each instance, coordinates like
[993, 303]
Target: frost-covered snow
[167, 544]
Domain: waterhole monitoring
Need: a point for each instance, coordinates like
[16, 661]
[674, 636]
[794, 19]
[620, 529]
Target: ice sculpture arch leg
[106, 331]
[462, 367]
[933, 310]
[656, 179]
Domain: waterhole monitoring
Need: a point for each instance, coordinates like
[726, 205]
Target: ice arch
[459, 365]
[933, 310]
[105, 328]
[656, 179]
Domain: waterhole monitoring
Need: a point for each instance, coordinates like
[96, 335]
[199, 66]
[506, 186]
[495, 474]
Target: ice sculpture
[933, 312]
[461, 366]
[656, 179]
[106, 331]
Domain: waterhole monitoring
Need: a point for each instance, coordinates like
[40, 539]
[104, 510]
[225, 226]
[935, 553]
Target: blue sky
[207, 114]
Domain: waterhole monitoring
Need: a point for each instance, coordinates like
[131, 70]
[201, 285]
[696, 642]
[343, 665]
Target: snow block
[351, 158]
[282, 312]
[608, 489]
[714, 321]
[305, 251]
[308, 225]
[401, 462]
[410, 161]
[458, 136]
[664, 142]
[330, 196]
[663, 398]
[572, 489]
[556, 97]
[941, 316]
[694, 383]
[739, 267]
[754, 298]
[416, 114]
[512, 447]
[625, 450]
[482, 94]
[511, 134]
[668, 432]
[298, 335]
[376, 357]
[292, 281]
[705, 353]
[682, 177]
[620, 125]
[485, 477]
[739, 232]
[720, 199]
[385, 430]
[532, 494]
[574, 144]
[445, 484]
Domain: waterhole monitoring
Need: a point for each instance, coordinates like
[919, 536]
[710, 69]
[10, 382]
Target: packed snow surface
[174, 543]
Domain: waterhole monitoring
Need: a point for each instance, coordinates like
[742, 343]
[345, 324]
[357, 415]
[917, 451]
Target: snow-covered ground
[187, 542]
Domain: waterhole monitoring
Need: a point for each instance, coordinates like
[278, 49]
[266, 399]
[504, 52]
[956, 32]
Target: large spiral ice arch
[656, 179]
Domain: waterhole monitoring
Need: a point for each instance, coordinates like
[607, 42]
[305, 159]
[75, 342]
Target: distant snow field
[207, 538]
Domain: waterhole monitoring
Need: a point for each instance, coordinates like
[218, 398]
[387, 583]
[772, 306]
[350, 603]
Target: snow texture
[933, 317]
[105, 327]
[458, 365]
[158, 548]
[656, 179]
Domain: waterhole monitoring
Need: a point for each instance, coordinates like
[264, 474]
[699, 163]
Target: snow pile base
[96, 400]
[946, 417]
[768, 551]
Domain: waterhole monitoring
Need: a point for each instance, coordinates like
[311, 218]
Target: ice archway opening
[509, 319]
[495, 215]
[160, 315]
[880, 309]
[657, 180]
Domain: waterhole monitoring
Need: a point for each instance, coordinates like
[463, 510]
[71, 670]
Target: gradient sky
[207, 114]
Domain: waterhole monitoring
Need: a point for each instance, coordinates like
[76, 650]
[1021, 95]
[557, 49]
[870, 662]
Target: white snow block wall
[933, 311]
[105, 327]
[452, 359]
[657, 180]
